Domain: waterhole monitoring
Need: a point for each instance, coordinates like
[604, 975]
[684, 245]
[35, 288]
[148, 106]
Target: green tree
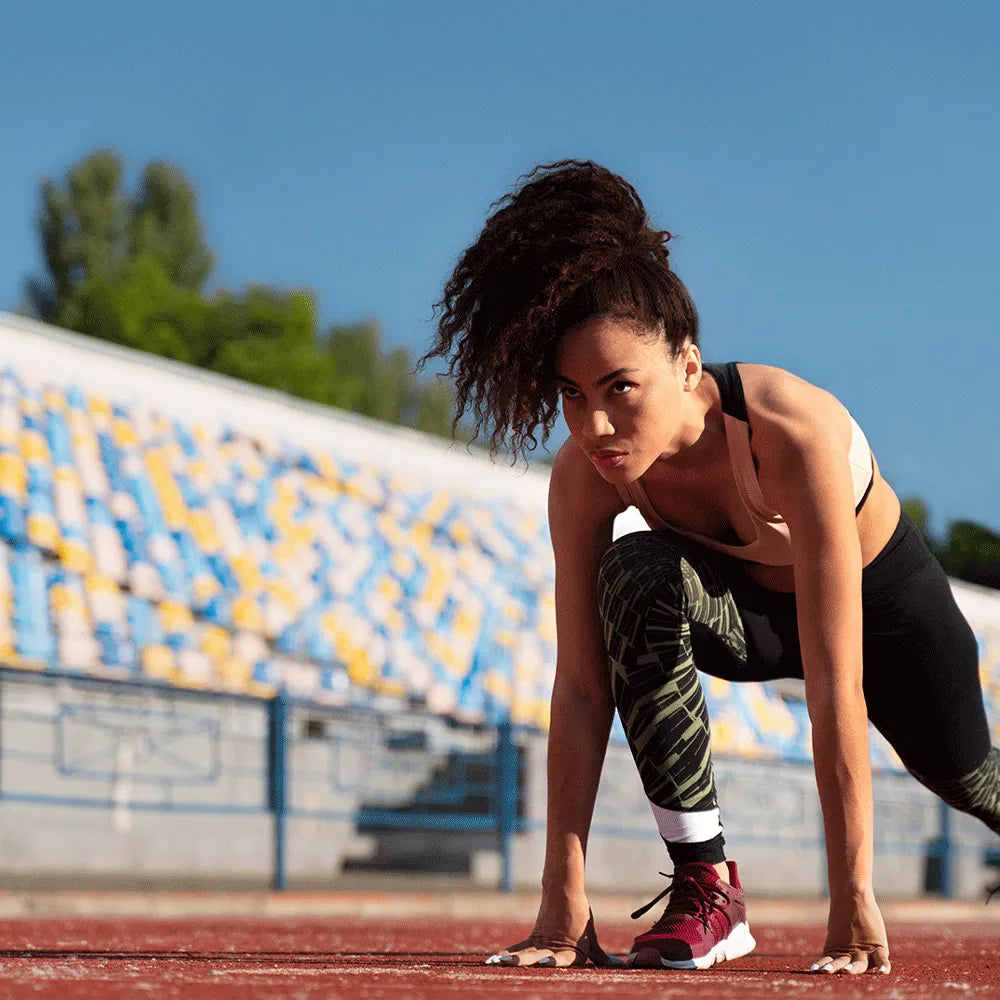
[81, 226]
[269, 337]
[968, 551]
[131, 268]
[94, 235]
[141, 308]
[164, 225]
[972, 552]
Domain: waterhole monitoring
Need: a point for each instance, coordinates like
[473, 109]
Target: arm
[815, 494]
[582, 706]
[582, 508]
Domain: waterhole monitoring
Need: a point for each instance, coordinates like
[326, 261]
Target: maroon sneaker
[705, 922]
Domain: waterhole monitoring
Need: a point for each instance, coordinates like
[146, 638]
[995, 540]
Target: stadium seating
[140, 545]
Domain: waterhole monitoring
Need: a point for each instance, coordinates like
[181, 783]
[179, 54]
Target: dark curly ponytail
[573, 242]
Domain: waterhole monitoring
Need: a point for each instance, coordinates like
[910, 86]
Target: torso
[705, 500]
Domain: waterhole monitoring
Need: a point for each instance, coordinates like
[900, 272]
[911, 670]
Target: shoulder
[580, 500]
[786, 411]
[801, 438]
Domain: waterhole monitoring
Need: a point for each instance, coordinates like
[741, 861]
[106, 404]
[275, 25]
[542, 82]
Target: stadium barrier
[291, 789]
[345, 774]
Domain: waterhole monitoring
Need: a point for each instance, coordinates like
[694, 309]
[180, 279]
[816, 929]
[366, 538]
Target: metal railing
[81, 741]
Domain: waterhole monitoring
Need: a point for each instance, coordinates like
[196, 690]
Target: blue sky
[831, 169]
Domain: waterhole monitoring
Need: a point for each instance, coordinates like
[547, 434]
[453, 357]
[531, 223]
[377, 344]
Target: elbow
[577, 691]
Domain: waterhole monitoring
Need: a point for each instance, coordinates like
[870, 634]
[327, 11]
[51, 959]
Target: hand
[563, 935]
[856, 941]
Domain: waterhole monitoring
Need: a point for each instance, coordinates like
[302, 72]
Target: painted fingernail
[814, 967]
[883, 968]
[827, 968]
[493, 960]
[547, 961]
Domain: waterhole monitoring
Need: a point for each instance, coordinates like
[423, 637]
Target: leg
[653, 589]
[922, 679]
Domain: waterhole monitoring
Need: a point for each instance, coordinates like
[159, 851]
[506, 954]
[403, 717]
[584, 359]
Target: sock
[691, 835]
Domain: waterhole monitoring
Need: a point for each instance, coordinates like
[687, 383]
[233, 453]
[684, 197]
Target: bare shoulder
[782, 406]
[580, 500]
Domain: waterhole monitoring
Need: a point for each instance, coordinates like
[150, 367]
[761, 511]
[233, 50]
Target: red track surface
[335, 957]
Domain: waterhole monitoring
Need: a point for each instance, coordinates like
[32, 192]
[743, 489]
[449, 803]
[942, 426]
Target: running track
[422, 956]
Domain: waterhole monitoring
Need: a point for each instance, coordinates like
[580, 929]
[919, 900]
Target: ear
[690, 359]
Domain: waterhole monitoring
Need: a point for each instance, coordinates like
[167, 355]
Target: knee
[976, 793]
[636, 566]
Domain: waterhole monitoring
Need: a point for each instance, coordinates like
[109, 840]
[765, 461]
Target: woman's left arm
[814, 491]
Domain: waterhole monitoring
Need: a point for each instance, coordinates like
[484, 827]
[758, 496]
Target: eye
[621, 388]
[567, 392]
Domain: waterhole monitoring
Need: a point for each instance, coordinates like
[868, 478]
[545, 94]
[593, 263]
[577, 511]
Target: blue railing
[95, 742]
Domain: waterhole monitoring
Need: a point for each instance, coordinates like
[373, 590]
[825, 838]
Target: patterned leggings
[670, 608]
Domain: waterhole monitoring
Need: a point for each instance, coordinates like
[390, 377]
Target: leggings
[670, 608]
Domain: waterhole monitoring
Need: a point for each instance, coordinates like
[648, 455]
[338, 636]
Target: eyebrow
[603, 380]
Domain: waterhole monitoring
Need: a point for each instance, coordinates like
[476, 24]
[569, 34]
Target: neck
[702, 435]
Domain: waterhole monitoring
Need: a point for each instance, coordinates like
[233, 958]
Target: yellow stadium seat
[235, 674]
[75, 556]
[13, 475]
[34, 447]
[43, 532]
[247, 614]
[157, 662]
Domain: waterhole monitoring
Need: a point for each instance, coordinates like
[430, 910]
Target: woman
[778, 550]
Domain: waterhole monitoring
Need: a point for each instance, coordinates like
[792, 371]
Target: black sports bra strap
[730, 389]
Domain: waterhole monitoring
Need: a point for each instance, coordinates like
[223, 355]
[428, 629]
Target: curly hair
[573, 242]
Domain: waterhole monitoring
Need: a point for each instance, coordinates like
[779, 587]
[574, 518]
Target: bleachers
[138, 542]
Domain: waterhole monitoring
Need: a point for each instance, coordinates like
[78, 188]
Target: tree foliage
[131, 267]
[968, 551]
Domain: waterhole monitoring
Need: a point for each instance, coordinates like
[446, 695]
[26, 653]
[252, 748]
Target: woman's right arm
[582, 509]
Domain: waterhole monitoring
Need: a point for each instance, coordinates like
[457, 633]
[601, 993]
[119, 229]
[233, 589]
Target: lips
[607, 458]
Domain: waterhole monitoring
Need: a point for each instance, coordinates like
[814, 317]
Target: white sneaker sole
[740, 942]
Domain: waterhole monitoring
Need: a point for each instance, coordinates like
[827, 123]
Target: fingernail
[547, 961]
[814, 967]
[884, 968]
[493, 960]
[508, 960]
[827, 967]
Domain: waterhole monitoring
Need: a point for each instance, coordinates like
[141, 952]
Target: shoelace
[687, 889]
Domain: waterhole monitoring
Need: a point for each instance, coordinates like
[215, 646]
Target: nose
[599, 424]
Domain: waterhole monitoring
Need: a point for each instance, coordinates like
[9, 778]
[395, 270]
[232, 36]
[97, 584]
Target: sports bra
[772, 542]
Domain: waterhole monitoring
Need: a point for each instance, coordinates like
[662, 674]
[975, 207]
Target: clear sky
[831, 169]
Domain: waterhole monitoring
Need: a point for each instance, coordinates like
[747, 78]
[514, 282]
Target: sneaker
[705, 922]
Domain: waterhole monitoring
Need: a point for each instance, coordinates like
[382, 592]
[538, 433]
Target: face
[626, 401]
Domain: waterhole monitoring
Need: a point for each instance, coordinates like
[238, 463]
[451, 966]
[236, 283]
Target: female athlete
[777, 550]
